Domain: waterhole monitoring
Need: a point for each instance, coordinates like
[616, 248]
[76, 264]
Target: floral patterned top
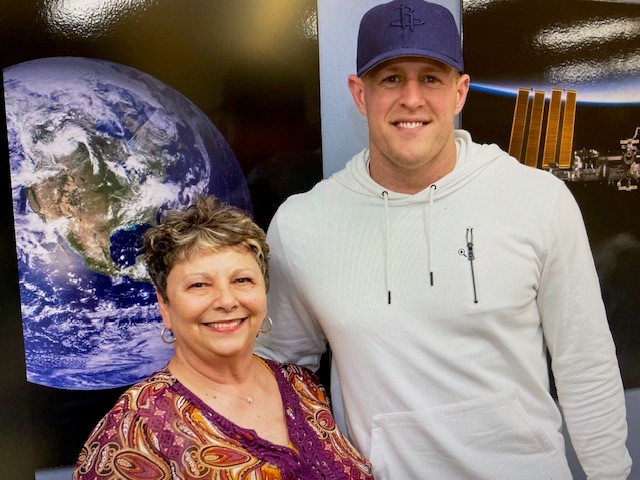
[159, 430]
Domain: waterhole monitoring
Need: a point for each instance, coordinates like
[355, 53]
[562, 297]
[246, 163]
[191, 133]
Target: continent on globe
[97, 150]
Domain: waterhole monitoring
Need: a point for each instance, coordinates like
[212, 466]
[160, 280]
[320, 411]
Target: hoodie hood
[472, 159]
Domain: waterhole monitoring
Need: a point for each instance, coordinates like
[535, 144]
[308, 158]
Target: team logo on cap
[407, 20]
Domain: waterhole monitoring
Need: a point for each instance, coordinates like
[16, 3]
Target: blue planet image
[97, 150]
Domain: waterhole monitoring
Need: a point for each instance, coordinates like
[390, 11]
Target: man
[440, 272]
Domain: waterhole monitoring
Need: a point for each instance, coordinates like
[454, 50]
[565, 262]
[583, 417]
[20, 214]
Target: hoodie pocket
[487, 438]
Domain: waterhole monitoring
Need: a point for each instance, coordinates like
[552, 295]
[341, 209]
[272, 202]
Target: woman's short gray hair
[208, 224]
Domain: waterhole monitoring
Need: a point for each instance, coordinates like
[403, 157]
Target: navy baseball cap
[408, 28]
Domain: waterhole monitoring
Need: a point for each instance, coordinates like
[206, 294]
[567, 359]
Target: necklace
[246, 398]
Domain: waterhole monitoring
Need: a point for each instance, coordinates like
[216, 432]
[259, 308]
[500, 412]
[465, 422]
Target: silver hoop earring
[270, 326]
[164, 338]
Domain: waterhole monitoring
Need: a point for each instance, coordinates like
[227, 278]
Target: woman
[217, 411]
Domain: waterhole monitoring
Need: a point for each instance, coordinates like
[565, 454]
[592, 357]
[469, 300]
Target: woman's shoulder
[141, 413]
[151, 398]
[145, 394]
[159, 380]
[303, 380]
[292, 370]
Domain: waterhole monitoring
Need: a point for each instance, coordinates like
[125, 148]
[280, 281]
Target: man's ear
[462, 91]
[356, 87]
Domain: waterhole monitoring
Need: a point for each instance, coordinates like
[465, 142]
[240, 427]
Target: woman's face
[216, 303]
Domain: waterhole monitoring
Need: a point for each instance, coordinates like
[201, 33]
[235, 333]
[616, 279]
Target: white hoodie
[442, 355]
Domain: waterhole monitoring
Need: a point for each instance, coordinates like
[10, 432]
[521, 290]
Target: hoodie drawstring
[385, 195]
[387, 246]
[432, 190]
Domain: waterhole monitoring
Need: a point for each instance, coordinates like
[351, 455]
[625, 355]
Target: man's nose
[412, 97]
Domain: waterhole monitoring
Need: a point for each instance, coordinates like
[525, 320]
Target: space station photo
[560, 91]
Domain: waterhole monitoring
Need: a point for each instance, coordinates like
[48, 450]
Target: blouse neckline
[306, 445]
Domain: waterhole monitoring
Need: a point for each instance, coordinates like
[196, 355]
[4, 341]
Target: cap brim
[409, 52]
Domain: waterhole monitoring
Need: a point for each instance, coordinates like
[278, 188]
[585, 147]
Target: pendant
[249, 399]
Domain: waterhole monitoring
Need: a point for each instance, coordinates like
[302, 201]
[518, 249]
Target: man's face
[410, 104]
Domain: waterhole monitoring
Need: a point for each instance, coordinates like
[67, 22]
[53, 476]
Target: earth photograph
[97, 151]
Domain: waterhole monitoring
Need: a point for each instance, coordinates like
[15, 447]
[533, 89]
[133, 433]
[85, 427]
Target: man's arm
[296, 337]
[583, 355]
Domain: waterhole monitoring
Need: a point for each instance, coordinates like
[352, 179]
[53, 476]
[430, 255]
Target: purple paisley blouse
[159, 430]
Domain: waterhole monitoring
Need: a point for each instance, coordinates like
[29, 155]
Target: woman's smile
[225, 325]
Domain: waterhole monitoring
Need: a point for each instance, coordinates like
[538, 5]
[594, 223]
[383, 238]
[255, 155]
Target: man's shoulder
[502, 166]
[310, 217]
[514, 170]
[309, 202]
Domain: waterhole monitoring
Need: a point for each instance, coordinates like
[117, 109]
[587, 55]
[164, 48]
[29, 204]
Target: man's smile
[409, 125]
